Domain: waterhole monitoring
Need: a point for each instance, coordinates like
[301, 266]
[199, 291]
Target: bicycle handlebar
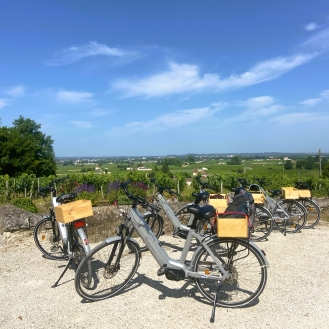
[50, 186]
[162, 188]
[137, 199]
[204, 184]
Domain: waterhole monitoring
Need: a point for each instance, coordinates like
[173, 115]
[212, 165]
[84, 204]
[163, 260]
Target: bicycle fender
[261, 253]
[84, 239]
[250, 242]
[46, 217]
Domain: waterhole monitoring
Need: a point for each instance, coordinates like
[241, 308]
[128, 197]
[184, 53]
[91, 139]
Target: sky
[148, 77]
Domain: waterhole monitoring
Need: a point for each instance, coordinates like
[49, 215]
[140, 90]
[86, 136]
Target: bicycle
[312, 208]
[229, 272]
[59, 241]
[288, 215]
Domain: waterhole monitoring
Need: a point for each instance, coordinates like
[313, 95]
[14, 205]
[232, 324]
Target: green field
[256, 167]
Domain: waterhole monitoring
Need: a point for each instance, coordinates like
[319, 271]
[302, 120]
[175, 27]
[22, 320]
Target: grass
[263, 167]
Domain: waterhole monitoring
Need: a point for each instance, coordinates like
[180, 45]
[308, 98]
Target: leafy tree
[288, 165]
[309, 163]
[165, 169]
[235, 161]
[325, 171]
[190, 159]
[25, 149]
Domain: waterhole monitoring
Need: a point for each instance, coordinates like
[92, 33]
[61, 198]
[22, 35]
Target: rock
[13, 218]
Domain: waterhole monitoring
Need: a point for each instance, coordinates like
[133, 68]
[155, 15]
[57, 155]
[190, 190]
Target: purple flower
[85, 188]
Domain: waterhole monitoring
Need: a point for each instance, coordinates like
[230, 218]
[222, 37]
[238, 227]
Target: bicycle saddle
[66, 197]
[275, 192]
[202, 212]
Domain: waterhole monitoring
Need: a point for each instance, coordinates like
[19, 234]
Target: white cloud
[319, 41]
[257, 102]
[74, 96]
[15, 91]
[3, 103]
[82, 124]
[311, 101]
[169, 120]
[311, 26]
[301, 118]
[100, 112]
[93, 48]
[324, 96]
[258, 108]
[186, 78]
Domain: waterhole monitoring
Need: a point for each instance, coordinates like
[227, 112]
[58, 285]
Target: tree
[288, 165]
[25, 149]
[309, 163]
[325, 171]
[165, 168]
[190, 159]
[235, 161]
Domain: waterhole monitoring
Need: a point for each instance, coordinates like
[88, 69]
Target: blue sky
[148, 77]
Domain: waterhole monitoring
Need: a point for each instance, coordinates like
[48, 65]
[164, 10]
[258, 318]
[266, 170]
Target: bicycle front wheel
[110, 266]
[313, 212]
[262, 224]
[246, 267]
[48, 240]
[155, 222]
[296, 216]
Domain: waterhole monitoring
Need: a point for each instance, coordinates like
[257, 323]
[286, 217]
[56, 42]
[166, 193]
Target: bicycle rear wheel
[111, 266]
[246, 267]
[313, 212]
[296, 216]
[48, 240]
[262, 224]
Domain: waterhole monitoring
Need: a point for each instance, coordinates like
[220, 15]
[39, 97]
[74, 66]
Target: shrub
[26, 204]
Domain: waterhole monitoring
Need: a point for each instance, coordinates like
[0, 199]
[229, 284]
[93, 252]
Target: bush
[26, 204]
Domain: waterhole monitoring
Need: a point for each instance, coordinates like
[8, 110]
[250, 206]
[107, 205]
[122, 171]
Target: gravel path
[296, 294]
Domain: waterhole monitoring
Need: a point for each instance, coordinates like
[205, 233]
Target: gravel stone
[296, 294]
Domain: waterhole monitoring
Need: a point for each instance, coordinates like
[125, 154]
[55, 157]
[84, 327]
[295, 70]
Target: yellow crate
[232, 227]
[219, 204]
[258, 198]
[72, 211]
[290, 193]
[304, 193]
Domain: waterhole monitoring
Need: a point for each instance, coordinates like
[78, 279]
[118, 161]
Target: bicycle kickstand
[66, 268]
[212, 319]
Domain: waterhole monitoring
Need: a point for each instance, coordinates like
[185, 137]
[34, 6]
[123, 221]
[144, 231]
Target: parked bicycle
[58, 241]
[312, 208]
[288, 215]
[229, 272]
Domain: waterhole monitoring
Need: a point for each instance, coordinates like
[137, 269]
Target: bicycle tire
[262, 225]
[155, 222]
[48, 242]
[296, 213]
[247, 267]
[313, 212]
[107, 279]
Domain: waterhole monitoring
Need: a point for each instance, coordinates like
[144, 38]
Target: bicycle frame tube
[61, 227]
[160, 255]
[170, 213]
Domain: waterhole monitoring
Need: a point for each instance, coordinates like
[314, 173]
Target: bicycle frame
[137, 221]
[171, 215]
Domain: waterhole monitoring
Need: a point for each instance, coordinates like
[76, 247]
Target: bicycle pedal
[160, 271]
